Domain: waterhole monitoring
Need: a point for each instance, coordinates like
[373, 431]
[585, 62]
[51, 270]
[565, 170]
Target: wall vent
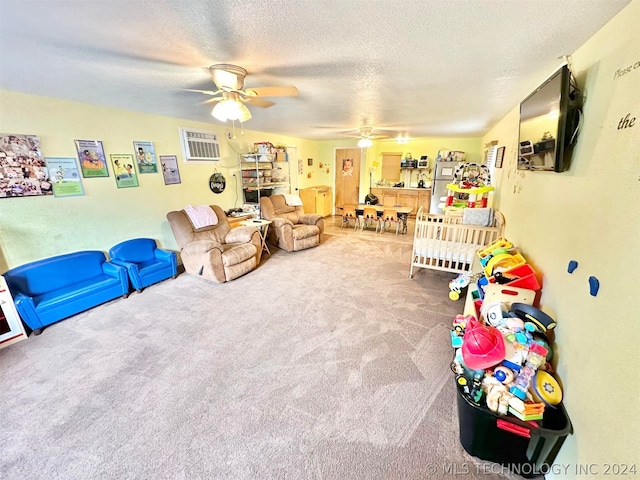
[199, 145]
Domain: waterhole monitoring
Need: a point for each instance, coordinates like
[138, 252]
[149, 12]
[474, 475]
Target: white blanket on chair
[292, 200]
[201, 215]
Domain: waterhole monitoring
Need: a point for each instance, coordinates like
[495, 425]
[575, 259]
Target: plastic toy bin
[523, 448]
[526, 278]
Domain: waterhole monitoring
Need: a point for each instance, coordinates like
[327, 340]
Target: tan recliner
[292, 229]
[216, 252]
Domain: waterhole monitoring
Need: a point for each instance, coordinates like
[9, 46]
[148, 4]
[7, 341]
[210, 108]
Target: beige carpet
[328, 363]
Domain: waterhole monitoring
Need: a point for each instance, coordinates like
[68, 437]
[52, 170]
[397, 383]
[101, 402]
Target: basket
[525, 449]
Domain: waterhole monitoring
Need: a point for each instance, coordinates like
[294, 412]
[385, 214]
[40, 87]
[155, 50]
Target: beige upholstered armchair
[216, 252]
[292, 229]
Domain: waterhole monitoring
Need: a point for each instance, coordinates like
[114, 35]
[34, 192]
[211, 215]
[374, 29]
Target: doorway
[347, 175]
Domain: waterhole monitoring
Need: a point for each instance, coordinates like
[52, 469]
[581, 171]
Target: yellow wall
[37, 227]
[589, 214]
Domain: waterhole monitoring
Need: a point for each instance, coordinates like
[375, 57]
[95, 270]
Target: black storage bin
[251, 196]
[526, 450]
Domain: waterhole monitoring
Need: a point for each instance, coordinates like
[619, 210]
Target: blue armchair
[146, 264]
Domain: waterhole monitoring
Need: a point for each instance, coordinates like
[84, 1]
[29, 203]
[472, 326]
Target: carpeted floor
[328, 363]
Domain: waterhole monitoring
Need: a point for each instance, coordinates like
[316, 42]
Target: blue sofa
[145, 262]
[52, 289]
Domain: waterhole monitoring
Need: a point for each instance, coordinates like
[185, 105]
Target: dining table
[402, 212]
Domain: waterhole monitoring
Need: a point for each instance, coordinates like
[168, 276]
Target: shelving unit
[262, 175]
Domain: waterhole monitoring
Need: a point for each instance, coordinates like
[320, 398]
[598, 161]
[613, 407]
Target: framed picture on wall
[93, 162]
[170, 172]
[65, 176]
[146, 157]
[23, 172]
[124, 170]
[499, 157]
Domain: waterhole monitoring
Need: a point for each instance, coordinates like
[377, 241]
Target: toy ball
[482, 346]
[504, 374]
[546, 389]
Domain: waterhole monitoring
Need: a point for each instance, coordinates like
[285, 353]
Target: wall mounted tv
[549, 122]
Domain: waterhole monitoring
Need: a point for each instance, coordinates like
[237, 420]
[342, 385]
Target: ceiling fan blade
[205, 92]
[289, 91]
[258, 102]
[211, 100]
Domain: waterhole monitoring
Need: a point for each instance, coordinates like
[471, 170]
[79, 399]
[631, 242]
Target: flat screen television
[549, 122]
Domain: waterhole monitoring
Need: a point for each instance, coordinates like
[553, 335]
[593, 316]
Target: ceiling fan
[231, 95]
[367, 135]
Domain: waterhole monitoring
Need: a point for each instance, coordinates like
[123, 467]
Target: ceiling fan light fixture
[230, 109]
[245, 114]
[364, 143]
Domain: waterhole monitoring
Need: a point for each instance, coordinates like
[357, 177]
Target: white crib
[443, 242]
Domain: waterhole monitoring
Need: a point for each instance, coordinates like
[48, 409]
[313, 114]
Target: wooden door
[347, 175]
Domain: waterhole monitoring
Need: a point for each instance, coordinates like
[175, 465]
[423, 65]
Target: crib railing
[443, 242]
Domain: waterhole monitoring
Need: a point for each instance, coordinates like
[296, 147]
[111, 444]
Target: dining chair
[389, 217]
[370, 216]
[348, 214]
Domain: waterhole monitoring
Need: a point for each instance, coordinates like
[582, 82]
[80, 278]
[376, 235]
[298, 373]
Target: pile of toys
[503, 351]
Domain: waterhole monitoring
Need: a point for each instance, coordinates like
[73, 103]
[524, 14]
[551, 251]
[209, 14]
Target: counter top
[406, 188]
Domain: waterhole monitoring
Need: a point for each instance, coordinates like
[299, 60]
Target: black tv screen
[549, 120]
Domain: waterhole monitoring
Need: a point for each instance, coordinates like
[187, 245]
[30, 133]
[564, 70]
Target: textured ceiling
[422, 67]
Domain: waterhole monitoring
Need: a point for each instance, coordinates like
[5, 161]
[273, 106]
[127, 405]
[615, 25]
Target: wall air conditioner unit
[199, 145]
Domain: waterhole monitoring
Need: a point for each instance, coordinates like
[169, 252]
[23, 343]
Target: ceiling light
[226, 109]
[364, 142]
[403, 139]
[230, 108]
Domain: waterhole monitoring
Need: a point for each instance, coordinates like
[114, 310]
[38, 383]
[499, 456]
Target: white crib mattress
[445, 250]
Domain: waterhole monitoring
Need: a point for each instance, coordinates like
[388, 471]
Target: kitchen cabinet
[262, 175]
[407, 197]
[317, 200]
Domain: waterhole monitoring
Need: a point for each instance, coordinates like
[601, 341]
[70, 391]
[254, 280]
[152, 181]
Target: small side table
[263, 227]
[11, 329]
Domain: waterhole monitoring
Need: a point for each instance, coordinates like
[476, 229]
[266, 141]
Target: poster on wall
[124, 170]
[65, 176]
[170, 170]
[146, 157]
[23, 172]
[93, 161]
